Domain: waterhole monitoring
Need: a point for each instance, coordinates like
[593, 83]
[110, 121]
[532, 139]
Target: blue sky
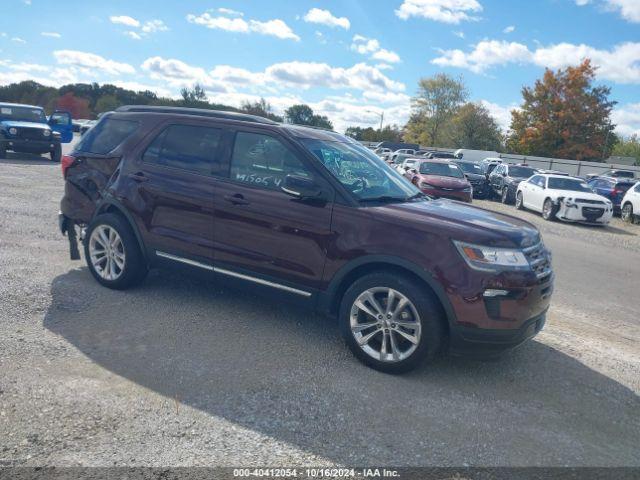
[349, 59]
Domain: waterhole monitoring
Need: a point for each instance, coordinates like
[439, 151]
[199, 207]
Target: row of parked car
[554, 194]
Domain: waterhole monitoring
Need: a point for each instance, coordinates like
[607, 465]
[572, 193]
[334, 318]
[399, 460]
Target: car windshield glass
[442, 169]
[22, 114]
[470, 167]
[360, 171]
[568, 184]
[522, 172]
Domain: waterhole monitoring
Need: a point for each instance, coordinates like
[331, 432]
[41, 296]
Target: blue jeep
[26, 129]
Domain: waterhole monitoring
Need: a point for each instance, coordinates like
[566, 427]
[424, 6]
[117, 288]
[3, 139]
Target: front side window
[187, 147]
[263, 161]
[364, 174]
[470, 167]
[60, 118]
[637, 189]
[106, 135]
[521, 172]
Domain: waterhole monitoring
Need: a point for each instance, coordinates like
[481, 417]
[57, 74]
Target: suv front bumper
[22, 145]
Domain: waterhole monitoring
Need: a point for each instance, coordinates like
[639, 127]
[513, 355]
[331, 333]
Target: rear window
[624, 174]
[106, 135]
[623, 186]
[442, 169]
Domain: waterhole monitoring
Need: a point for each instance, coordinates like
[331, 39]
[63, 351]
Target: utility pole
[381, 114]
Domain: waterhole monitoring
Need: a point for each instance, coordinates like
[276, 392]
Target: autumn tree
[434, 106]
[564, 115]
[628, 147]
[78, 106]
[473, 127]
[303, 115]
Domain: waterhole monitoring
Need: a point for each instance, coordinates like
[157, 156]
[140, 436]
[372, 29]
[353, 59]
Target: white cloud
[125, 20]
[155, 25]
[484, 55]
[179, 74]
[581, 3]
[628, 9]
[51, 34]
[384, 66]
[276, 27]
[241, 76]
[509, 29]
[501, 113]
[325, 17]
[133, 35]
[230, 12]
[366, 46]
[627, 119]
[459, 34]
[621, 64]
[91, 61]
[446, 11]
[141, 87]
[18, 40]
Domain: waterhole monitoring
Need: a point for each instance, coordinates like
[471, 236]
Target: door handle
[138, 177]
[236, 199]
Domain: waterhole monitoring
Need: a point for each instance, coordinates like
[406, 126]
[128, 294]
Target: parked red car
[441, 179]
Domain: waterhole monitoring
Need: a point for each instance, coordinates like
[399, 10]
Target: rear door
[172, 189]
[60, 121]
[262, 233]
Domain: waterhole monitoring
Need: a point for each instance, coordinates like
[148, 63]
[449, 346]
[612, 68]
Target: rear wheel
[627, 212]
[519, 201]
[56, 153]
[390, 323]
[112, 253]
[549, 210]
[505, 195]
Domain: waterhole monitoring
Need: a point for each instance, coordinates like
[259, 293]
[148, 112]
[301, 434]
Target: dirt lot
[182, 371]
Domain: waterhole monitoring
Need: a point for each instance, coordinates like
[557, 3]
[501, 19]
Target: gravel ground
[184, 372]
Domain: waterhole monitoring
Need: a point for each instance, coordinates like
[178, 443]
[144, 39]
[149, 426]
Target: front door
[173, 180]
[60, 121]
[261, 231]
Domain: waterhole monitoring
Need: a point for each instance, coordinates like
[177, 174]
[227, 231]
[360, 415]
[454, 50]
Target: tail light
[65, 163]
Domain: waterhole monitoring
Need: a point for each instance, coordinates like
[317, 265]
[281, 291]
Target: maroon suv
[441, 179]
[309, 214]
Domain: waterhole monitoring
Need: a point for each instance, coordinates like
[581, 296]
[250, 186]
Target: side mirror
[413, 170]
[302, 188]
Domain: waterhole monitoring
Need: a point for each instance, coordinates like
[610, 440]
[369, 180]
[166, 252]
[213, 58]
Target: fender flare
[111, 202]
[392, 261]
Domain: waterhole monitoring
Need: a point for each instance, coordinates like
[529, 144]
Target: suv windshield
[521, 172]
[442, 169]
[22, 114]
[469, 167]
[360, 171]
[568, 184]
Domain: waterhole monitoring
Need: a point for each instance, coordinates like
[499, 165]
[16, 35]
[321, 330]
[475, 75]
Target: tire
[549, 210]
[627, 213]
[56, 153]
[128, 266]
[519, 201]
[422, 310]
[504, 197]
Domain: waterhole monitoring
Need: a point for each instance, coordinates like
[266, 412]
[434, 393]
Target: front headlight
[479, 257]
[47, 133]
[13, 131]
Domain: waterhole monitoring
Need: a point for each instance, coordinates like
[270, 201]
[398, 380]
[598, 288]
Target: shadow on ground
[26, 159]
[285, 373]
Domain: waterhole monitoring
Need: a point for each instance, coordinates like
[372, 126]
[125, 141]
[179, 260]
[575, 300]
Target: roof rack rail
[200, 112]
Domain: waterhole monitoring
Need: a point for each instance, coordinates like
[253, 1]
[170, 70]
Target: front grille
[31, 134]
[591, 213]
[540, 261]
[592, 202]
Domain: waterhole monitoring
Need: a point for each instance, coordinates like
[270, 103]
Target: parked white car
[565, 198]
[631, 204]
[407, 164]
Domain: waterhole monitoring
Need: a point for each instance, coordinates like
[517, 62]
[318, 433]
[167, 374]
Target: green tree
[434, 106]
[564, 115]
[629, 147]
[262, 108]
[193, 96]
[473, 127]
[390, 133]
[303, 115]
[107, 103]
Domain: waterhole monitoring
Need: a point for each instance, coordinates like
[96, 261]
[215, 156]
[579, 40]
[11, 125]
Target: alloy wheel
[385, 324]
[546, 210]
[107, 252]
[627, 213]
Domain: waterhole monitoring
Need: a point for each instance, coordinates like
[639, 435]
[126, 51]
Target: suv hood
[460, 221]
[446, 182]
[20, 124]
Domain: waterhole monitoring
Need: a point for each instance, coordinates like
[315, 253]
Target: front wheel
[390, 323]
[505, 195]
[112, 253]
[549, 210]
[56, 153]
[627, 213]
[519, 201]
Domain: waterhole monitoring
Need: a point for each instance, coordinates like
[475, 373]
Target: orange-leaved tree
[564, 115]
